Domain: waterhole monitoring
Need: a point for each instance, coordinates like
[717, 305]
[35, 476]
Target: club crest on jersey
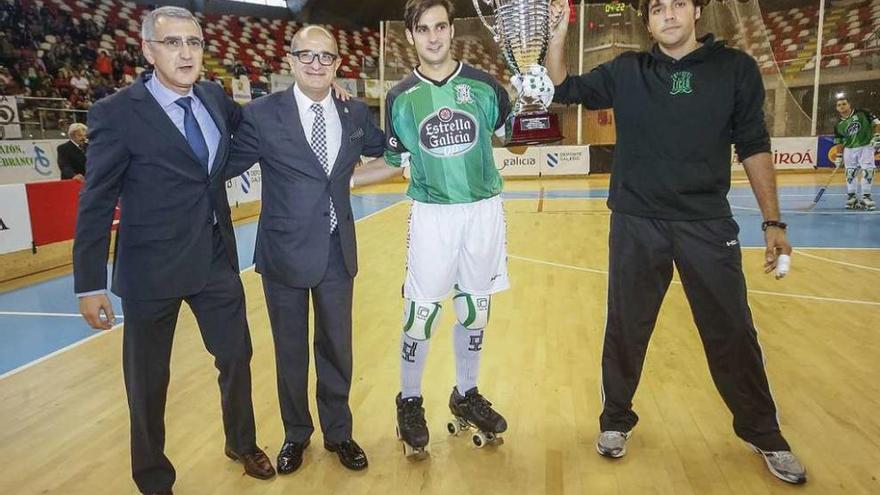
[448, 132]
[853, 128]
[463, 94]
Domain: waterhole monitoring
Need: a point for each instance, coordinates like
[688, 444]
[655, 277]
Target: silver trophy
[522, 29]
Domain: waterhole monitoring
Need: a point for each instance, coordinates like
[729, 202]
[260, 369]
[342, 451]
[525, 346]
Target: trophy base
[532, 128]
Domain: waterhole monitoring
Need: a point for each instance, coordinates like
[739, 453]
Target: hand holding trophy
[522, 29]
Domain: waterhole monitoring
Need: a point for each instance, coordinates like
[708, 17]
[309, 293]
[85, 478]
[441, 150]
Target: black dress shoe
[351, 455]
[291, 456]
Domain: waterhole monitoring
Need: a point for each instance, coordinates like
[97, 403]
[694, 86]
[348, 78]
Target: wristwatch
[774, 223]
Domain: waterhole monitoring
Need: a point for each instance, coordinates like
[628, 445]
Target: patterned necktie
[319, 146]
[193, 132]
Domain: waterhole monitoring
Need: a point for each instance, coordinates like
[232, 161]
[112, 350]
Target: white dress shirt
[331, 118]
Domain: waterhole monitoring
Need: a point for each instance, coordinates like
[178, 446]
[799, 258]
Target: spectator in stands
[104, 64]
[239, 70]
[72, 153]
[80, 81]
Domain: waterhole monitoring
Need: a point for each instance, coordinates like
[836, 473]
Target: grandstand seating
[850, 31]
[259, 45]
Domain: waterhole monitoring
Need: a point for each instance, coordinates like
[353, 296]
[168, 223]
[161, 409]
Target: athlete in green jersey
[859, 133]
[440, 121]
[443, 129]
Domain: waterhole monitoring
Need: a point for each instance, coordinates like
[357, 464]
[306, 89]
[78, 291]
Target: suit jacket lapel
[152, 112]
[347, 128]
[220, 122]
[288, 113]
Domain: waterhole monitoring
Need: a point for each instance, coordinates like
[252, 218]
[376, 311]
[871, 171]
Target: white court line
[753, 291]
[844, 263]
[119, 325]
[25, 313]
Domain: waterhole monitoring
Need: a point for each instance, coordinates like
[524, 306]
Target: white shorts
[859, 157]
[449, 244]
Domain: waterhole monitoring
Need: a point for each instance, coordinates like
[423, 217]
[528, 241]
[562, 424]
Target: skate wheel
[479, 439]
[453, 428]
[414, 453]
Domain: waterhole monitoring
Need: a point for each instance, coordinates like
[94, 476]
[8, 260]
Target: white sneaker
[612, 444]
[784, 465]
[866, 203]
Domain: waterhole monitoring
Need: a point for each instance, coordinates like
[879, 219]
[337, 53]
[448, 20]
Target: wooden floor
[65, 424]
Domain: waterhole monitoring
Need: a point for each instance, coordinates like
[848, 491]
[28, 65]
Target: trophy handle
[483, 18]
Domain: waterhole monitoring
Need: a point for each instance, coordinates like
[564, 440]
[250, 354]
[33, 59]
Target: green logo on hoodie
[681, 83]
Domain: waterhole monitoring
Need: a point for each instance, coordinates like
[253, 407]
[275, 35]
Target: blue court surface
[42, 319]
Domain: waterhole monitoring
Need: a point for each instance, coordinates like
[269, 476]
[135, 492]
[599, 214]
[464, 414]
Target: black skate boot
[473, 410]
[411, 427]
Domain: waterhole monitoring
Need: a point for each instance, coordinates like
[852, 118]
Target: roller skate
[852, 202]
[866, 203]
[411, 427]
[472, 410]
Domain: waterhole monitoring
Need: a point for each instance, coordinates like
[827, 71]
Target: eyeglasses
[308, 56]
[176, 43]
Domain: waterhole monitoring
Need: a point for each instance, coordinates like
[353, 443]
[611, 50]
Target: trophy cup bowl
[522, 29]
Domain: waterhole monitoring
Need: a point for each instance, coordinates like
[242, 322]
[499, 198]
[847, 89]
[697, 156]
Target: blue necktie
[193, 132]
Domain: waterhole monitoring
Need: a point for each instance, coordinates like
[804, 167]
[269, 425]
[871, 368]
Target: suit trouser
[148, 333]
[289, 315]
[642, 253]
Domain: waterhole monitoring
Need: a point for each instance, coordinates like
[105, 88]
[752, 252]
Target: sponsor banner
[525, 161]
[280, 82]
[241, 90]
[518, 161]
[53, 207]
[15, 221]
[565, 160]
[8, 115]
[246, 187]
[373, 89]
[29, 161]
[350, 85]
[791, 153]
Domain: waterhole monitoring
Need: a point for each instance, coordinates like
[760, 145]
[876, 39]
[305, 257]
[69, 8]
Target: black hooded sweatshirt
[675, 122]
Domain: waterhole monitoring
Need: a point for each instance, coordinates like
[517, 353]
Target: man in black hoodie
[678, 109]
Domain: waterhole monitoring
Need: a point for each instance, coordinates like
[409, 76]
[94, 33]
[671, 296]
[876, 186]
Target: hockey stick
[823, 189]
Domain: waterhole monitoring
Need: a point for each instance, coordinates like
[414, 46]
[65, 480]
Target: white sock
[468, 345]
[867, 179]
[413, 354]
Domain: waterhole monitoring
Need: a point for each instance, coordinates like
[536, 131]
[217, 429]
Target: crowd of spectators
[72, 68]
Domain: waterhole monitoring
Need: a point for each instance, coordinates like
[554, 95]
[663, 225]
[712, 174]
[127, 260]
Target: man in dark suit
[307, 143]
[160, 147]
[72, 154]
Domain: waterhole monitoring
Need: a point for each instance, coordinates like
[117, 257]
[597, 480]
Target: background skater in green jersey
[440, 123]
[859, 133]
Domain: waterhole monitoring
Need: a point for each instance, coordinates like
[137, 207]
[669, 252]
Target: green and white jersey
[857, 130]
[443, 131]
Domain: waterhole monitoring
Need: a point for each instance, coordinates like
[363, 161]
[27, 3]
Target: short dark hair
[415, 8]
[645, 6]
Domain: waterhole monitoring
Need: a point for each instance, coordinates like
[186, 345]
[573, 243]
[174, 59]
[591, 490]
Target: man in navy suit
[307, 143]
[160, 147]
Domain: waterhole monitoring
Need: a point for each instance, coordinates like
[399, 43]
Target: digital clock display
[615, 8]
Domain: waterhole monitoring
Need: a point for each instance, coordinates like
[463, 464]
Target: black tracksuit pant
[707, 255]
